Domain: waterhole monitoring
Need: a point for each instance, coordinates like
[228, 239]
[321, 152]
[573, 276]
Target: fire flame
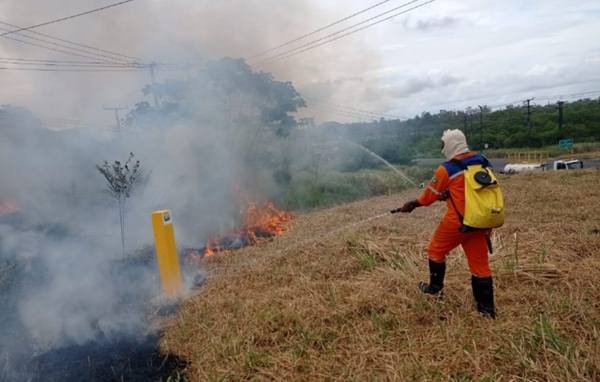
[8, 207]
[260, 222]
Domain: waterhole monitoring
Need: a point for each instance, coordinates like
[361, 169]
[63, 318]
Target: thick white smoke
[217, 138]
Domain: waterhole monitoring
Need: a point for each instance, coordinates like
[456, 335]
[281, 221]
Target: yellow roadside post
[166, 252]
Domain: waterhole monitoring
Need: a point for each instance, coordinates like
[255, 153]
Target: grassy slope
[345, 306]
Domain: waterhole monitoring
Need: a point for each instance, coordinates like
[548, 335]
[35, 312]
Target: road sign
[565, 143]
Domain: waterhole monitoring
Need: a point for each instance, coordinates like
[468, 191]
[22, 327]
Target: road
[499, 163]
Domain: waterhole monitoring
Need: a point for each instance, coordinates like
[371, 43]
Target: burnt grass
[110, 356]
[122, 360]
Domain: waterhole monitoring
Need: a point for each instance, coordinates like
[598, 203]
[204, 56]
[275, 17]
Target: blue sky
[450, 54]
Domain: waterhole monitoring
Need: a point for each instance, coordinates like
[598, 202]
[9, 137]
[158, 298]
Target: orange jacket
[449, 178]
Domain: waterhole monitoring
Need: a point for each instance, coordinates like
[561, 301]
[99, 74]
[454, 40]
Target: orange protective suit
[448, 236]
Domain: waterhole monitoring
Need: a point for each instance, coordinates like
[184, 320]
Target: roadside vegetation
[504, 128]
[309, 190]
[335, 300]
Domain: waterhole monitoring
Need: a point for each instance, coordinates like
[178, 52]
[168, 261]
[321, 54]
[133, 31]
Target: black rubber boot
[437, 271]
[483, 291]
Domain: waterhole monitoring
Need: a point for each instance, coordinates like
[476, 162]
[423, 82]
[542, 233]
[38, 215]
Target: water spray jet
[375, 155]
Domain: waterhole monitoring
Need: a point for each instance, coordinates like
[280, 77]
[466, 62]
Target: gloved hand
[408, 207]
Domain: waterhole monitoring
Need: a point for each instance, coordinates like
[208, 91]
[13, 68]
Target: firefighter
[448, 184]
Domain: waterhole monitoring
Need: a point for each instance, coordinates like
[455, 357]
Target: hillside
[344, 306]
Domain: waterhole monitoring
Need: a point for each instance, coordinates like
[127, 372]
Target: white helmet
[455, 143]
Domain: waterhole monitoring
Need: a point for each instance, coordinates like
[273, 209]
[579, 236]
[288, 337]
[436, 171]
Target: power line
[328, 38]
[129, 58]
[351, 32]
[356, 117]
[44, 61]
[346, 113]
[125, 70]
[31, 64]
[69, 49]
[364, 117]
[51, 48]
[545, 98]
[363, 114]
[66, 18]
[94, 57]
[318, 30]
[568, 95]
[362, 111]
[337, 32]
[58, 64]
[361, 117]
[451, 105]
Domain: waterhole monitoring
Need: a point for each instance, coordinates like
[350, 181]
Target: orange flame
[8, 207]
[260, 222]
[208, 251]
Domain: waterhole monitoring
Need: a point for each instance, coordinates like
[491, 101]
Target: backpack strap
[458, 163]
[485, 163]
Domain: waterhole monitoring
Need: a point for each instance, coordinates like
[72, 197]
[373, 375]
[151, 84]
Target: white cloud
[442, 53]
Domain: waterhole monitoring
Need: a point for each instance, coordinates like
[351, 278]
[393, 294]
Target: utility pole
[471, 120]
[152, 66]
[560, 119]
[480, 127]
[529, 120]
[116, 110]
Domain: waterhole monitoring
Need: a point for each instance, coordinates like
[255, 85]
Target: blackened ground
[125, 360]
[237, 240]
[110, 357]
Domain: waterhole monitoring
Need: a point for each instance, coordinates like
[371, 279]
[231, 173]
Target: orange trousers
[447, 237]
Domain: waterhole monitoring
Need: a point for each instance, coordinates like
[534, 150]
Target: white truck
[572, 164]
[514, 168]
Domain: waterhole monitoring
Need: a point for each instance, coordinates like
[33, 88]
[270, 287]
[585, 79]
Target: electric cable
[353, 109]
[53, 49]
[65, 48]
[346, 113]
[65, 62]
[123, 56]
[41, 60]
[67, 65]
[318, 30]
[332, 36]
[66, 18]
[124, 70]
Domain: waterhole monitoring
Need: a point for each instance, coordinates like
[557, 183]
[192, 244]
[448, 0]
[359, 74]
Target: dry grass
[345, 306]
